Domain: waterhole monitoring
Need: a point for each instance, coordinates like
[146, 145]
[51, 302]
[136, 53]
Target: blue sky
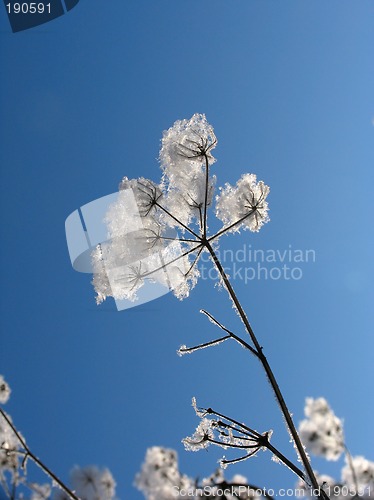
[288, 87]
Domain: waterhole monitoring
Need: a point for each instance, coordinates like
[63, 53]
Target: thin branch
[225, 229]
[201, 219]
[229, 419]
[242, 429]
[36, 459]
[178, 221]
[194, 262]
[268, 371]
[232, 335]
[159, 237]
[239, 446]
[171, 261]
[286, 461]
[187, 350]
[239, 459]
[206, 193]
[350, 463]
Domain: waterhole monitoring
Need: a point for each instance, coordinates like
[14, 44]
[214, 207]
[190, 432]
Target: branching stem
[259, 350]
[231, 334]
[28, 453]
[206, 194]
[178, 221]
[350, 463]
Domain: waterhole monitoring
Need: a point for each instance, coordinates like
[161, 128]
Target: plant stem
[29, 453]
[206, 193]
[350, 463]
[268, 370]
[178, 221]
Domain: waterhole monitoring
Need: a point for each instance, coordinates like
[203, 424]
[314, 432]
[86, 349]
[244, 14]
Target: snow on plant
[322, 430]
[88, 483]
[226, 433]
[322, 433]
[179, 202]
[160, 479]
[358, 473]
[4, 390]
[157, 232]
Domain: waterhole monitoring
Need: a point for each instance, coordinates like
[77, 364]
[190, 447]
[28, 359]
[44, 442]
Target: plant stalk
[278, 394]
[28, 453]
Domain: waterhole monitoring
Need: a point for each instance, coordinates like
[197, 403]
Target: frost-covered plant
[89, 483]
[142, 244]
[180, 203]
[4, 390]
[157, 232]
[225, 432]
[322, 433]
[322, 430]
[160, 479]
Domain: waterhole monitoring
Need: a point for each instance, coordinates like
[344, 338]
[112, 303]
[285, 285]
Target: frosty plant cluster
[167, 232]
[322, 432]
[180, 202]
[90, 483]
[160, 477]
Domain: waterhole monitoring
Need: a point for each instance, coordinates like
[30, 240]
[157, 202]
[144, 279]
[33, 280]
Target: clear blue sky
[288, 87]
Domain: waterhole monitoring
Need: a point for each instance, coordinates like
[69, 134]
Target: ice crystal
[201, 437]
[200, 412]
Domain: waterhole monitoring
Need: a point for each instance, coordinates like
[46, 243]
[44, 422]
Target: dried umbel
[322, 430]
[159, 478]
[220, 430]
[158, 231]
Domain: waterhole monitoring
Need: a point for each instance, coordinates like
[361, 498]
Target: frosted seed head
[200, 412]
[159, 475]
[4, 390]
[200, 439]
[91, 482]
[322, 430]
[188, 142]
[364, 471]
[243, 206]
